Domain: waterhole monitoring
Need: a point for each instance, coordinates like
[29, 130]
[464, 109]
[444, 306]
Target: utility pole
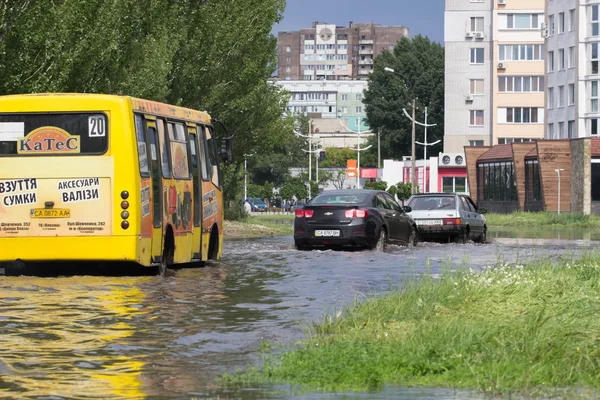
[424, 144]
[414, 138]
[358, 133]
[310, 151]
[379, 148]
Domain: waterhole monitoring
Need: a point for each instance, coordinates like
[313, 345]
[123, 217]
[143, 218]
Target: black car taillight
[354, 213]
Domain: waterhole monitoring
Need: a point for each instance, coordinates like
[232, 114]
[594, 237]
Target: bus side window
[196, 181]
[164, 149]
[204, 163]
[141, 146]
[179, 151]
[214, 160]
[156, 185]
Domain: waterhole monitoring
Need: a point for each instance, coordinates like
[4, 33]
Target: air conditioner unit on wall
[451, 160]
[501, 1]
[469, 34]
[500, 65]
[479, 35]
[469, 98]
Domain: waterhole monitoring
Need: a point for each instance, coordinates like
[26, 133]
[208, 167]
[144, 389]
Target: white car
[448, 216]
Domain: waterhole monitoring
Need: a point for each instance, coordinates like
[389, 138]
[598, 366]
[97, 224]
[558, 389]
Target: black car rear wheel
[413, 239]
[483, 237]
[463, 236]
[381, 243]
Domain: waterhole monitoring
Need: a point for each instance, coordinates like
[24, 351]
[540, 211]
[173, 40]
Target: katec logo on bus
[48, 140]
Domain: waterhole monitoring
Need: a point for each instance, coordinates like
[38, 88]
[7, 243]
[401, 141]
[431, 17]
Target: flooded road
[79, 336]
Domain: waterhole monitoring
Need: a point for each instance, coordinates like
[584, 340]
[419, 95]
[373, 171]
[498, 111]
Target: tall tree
[418, 65]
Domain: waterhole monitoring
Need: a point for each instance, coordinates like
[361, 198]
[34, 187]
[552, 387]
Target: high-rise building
[494, 72]
[331, 52]
[572, 68]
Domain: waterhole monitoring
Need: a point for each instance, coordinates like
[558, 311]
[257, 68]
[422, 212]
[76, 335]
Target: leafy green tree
[294, 187]
[418, 64]
[403, 191]
[376, 185]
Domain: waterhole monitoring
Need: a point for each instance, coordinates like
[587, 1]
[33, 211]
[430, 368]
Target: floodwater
[77, 333]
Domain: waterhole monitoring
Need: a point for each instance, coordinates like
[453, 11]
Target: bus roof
[84, 101]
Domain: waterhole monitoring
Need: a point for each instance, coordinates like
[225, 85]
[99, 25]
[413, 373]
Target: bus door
[160, 162]
[197, 188]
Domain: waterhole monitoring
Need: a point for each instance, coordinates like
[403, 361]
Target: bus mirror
[226, 151]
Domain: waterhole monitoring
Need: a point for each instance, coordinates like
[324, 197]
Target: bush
[235, 214]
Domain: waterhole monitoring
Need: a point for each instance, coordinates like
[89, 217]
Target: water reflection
[545, 232]
[56, 335]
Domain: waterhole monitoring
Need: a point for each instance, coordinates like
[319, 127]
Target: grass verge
[254, 227]
[531, 330]
[543, 219]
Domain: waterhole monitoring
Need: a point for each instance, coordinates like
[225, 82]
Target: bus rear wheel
[167, 256]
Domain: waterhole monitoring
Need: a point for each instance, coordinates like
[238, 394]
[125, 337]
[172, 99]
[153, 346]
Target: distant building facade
[329, 100]
[332, 52]
[572, 68]
[494, 70]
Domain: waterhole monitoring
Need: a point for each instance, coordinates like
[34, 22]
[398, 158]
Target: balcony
[369, 51]
[365, 41]
[366, 62]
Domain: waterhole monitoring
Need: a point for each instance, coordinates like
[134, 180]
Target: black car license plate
[327, 233]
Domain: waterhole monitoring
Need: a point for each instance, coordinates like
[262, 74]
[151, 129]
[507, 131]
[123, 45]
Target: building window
[550, 25]
[477, 55]
[359, 97]
[476, 87]
[571, 129]
[496, 181]
[594, 58]
[476, 24]
[514, 140]
[561, 96]
[561, 59]
[520, 84]
[521, 21]
[358, 109]
[454, 184]
[476, 117]
[519, 115]
[550, 131]
[595, 30]
[594, 126]
[550, 98]
[561, 130]
[561, 22]
[572, 57]
[288, 49]
[571, 94]
[572, 20]
[533, 187]
[521, 52]
[594, 96]
[288, 69]
[475, 143]
[344, 97]
[550, 61]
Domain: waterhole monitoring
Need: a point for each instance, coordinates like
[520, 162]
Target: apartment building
[494, 70]
[572, 68]
[332, 52]
[328, 99]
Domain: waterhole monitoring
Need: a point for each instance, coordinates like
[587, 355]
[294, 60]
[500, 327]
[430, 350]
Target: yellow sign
[50, 213]
[48, 140]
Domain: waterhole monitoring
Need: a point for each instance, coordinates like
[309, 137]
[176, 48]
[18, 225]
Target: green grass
[543, 219]
[528, 330]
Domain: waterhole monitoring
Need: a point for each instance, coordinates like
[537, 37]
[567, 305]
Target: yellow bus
[91, 177]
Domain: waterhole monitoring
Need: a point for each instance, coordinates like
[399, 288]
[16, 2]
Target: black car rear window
[433, 203]
[339, 199]
[53, 134]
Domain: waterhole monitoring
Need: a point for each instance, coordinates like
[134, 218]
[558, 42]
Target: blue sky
[425, 17]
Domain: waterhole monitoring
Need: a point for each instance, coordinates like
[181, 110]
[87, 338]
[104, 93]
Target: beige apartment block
[518, 74]
[494, 72]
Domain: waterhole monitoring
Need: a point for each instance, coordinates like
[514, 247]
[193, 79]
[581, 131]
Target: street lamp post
[310, 152]
[413, 168]
[246, 177]
[558, 171]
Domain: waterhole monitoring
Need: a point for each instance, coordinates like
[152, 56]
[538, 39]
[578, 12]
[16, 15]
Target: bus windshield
[53, 133]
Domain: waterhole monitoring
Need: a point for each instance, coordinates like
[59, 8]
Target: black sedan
[358, 218]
